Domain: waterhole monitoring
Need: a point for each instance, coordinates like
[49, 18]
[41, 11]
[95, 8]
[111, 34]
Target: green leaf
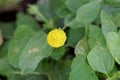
[68, 19]
[117, 59]
[95, 34]
[81, 70]
[28, 77]
[5, 68]
[113, 12]
[79, 59]
[43, 66]
[85, 14]
[73, 5]
[24, 19]
[107, 24]
[100, 59]
[44, 8]
[64, 12]
[49, 7]
[20, 39]
[113, 43]
[112, 1]
[36, 49]
[7, 29]
[82, 47]
[59, 70]
[4, 49]
[75, 24]
[58, 53]
[119, 32]
[73, 37]
[55, 70]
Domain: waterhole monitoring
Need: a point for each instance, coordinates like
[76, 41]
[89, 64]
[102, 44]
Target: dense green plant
[92, 30]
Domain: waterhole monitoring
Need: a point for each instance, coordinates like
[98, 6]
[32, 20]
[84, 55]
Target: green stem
[115, 76]
[64, 27]
[42, 17]
[107, 76]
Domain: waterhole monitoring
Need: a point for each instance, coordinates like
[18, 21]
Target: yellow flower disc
[56, 38]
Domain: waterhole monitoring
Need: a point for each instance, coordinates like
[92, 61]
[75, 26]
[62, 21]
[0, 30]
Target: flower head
[56, 38]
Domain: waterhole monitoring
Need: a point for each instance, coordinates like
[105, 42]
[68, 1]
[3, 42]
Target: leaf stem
[64, 27]
[108, 77]
[115, 76]
[33, 9]
[42, 16]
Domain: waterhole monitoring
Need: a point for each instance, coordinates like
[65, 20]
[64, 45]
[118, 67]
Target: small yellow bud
[56, 38]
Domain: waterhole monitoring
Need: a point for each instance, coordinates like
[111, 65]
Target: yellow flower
[56, 38]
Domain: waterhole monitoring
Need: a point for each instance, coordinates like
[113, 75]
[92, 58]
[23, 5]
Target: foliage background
[91, 51]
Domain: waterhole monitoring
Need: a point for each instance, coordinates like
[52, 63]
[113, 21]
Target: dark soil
[8, 16]
[3, 77]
